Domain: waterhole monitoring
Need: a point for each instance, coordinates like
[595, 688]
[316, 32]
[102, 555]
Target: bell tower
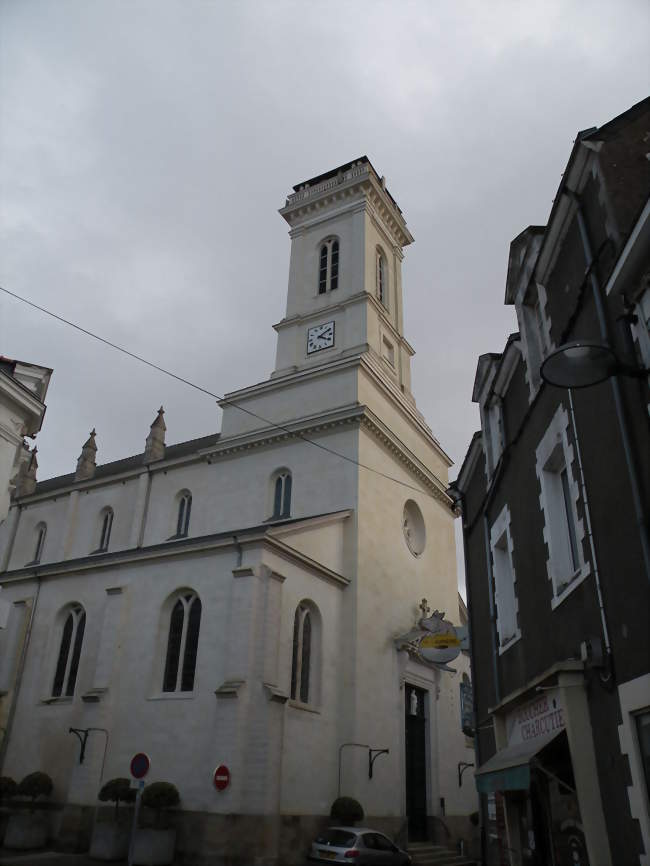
[345, 274]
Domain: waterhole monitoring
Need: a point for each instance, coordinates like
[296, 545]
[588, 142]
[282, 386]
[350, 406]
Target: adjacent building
[554, 497]
[256, 599]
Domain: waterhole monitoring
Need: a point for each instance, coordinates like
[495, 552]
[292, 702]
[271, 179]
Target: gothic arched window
[305, 654]
[381, 277]
[106, 524]
[72, 635]
[41, 532]
[328, 266]
[182, 644]
[281, 494]
[183, 516]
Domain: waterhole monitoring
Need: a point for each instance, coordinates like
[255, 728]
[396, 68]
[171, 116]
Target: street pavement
[53, 858]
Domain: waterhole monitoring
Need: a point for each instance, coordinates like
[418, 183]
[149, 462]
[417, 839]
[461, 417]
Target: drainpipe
[477, 744]
[19, 675]
[616, 385]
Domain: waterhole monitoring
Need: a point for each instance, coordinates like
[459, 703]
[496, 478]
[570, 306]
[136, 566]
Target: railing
[330, 183]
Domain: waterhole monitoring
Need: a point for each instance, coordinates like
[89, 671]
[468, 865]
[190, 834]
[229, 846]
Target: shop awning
[509, 769]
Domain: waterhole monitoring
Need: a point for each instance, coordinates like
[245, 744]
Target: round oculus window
[413, 527]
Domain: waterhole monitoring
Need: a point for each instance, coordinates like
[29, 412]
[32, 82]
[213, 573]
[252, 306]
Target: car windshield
[340, 838]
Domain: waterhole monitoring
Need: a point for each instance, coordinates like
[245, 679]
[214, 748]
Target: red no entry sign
[221, 777]
[140, 764]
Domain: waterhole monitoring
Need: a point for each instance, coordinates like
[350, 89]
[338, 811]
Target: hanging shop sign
[434, 641]
[536, 719]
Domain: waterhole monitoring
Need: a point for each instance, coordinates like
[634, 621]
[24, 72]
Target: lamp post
[584, 363]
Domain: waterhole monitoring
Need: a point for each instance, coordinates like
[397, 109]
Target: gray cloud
[145, 148]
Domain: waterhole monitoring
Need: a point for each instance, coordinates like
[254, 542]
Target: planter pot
[26, 830]
[110, 841]
[154, 847]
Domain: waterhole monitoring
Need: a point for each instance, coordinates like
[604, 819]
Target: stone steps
[428, 854]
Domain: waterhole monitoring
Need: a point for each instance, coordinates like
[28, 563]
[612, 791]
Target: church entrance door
[416, 762]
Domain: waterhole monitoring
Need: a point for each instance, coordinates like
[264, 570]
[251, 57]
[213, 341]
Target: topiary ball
[35, 785]
[117, 791]
[8, 788]
[160, 795]
[347, 810]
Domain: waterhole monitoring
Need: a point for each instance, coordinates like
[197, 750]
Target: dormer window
[381, 279]
[534, 330]
[328, 268]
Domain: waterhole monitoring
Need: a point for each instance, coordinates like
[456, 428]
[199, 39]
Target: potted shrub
[346, 811]
[27, 830]
[7, 791]
[110, 839]
[154, 846]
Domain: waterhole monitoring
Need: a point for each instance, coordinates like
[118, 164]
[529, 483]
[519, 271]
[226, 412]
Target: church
[240, 600]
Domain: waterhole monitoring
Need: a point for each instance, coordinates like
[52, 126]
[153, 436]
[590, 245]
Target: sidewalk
[47, 858]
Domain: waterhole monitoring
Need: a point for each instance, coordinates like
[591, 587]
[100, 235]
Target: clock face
[320, 337]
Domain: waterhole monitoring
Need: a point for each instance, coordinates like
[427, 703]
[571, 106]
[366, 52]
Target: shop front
[544, 777]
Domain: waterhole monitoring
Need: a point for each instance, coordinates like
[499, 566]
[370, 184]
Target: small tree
[160, 796]
[346, 810]
[35, 785]
[8, 788]
[117, 791]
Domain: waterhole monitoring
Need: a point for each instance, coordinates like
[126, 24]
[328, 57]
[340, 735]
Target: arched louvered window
[282, 494]
[65, 675]
[106, 526]
[182, 644]
[41, 532]
[381, 278]
[302, 656]
[328, 266]
[184, 511]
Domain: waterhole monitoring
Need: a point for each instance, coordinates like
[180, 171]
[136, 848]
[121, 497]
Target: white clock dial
[320, 337]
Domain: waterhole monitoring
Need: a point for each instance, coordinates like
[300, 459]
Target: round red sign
[140, 764]
[221, 777]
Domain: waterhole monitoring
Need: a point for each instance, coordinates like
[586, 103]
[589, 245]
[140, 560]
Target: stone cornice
[397, 448]
[357, 179]
[236, 540]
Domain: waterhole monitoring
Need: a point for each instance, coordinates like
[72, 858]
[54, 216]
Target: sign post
[140, 764]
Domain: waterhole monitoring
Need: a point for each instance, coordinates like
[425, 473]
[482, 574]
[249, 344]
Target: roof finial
[24, 483]
[154, 448]
[86, 463]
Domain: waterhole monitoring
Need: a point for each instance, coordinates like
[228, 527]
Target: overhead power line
[270, 424]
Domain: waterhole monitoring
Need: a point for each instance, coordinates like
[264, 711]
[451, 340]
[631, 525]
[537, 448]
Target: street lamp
[583, 363]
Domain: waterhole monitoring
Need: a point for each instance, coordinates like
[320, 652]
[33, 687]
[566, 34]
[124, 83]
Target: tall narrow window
[328, 266]
[322, 271]
[67, 666]
[334, 267]
[41, 532]
[505, 596]
[105, 530]
[282, 495]
[183, 518]
[382, 288]
[563, 530]
[301, 662]
[182, 644]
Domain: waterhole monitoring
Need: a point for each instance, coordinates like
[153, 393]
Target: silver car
[356, 845]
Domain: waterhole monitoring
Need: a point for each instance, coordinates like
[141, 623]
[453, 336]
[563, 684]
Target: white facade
[338, 553]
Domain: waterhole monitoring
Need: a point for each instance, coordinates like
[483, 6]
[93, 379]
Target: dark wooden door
[416, 762]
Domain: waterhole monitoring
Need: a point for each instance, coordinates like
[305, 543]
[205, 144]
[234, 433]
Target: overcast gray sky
[145, 148]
